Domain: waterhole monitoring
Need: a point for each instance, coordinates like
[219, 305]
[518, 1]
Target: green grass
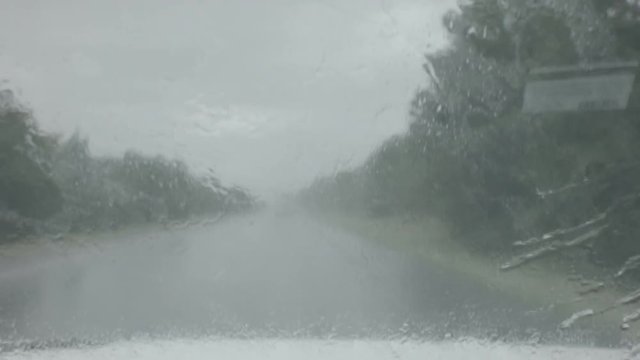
[545, 283]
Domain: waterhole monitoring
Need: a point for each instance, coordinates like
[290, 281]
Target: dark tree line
[494, 174]
[53, 185]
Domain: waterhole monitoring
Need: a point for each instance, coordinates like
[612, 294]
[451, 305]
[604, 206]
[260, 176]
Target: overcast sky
[268, 93]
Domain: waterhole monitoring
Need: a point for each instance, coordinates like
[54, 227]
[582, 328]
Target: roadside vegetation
[53, 185]
[502, 183]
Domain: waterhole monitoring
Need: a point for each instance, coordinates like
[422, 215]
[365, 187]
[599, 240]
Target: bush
[492, 173]
[49, 185]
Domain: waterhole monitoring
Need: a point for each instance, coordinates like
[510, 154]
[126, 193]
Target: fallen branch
[552, 248]
[562, 232]
[631, 264]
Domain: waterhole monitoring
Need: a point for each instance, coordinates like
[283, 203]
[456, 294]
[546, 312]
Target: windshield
[319, 179]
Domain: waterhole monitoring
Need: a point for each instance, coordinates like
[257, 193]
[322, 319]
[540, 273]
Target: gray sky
[269, 94]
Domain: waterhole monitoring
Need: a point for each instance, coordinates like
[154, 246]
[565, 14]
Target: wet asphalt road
[263, 274]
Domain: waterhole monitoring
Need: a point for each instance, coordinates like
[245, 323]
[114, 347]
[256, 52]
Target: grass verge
[550, 283]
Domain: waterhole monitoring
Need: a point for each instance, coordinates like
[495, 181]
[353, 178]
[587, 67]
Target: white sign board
[579, 93]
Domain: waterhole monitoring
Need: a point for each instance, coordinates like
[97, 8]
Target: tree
[472, 159]
[26, 186]
[52, 185]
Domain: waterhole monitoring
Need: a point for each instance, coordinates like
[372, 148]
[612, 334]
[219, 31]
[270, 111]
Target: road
[266, 274]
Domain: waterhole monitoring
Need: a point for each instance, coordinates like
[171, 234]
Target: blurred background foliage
[49, 184]
[493, 174]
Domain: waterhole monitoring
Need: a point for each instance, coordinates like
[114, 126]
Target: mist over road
[268, 274]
